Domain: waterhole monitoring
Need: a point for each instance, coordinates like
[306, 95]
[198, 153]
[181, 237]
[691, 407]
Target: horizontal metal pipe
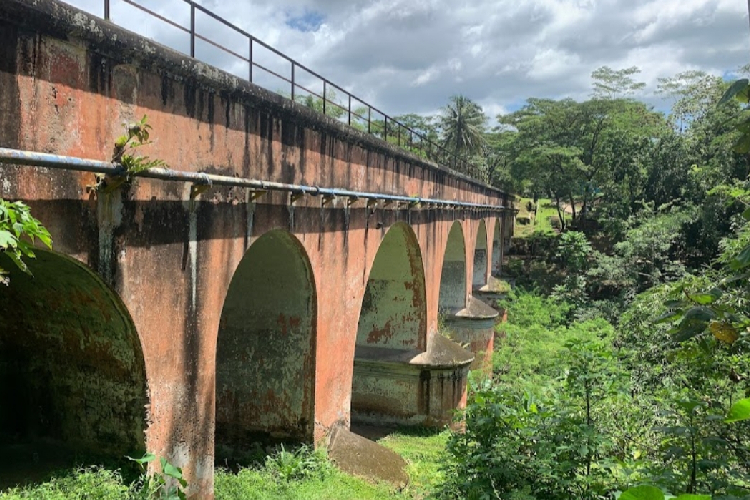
[33, 158]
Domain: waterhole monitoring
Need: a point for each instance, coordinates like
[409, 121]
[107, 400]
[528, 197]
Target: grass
[82, 484]
[422, 449]
[252, 484]
[540, 217]
[301, 475]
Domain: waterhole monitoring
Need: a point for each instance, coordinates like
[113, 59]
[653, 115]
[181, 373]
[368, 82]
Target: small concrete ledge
[493, 291]
[407, 387]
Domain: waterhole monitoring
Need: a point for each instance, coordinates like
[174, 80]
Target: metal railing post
[324, 97]
[192, 30]
[349, 122]
[250, 57]
[106, 10]
[293, 80]
[369, 110]
[385, 128]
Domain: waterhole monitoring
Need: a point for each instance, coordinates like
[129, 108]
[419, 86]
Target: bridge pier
[407, 388]
[402, 375]
[474, 327]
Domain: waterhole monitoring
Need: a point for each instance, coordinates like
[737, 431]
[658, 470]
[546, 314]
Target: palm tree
[463, 123]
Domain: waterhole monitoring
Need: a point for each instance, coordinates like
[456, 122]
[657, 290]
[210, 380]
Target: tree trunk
[572, 206]
[584, 205]
[559, 209]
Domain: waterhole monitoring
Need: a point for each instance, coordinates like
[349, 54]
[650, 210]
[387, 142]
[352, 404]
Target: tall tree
[463, 125]
[615, 83]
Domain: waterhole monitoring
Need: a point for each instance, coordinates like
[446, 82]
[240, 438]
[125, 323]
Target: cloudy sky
[410, 56]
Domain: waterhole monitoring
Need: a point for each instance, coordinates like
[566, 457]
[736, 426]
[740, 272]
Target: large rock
[361, 457]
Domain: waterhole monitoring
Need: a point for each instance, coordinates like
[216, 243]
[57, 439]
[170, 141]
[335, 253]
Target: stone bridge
[197, 325]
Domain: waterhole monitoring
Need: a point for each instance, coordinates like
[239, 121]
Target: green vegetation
[19, 230]
[622, 370]
[423, 450]
[303, 474]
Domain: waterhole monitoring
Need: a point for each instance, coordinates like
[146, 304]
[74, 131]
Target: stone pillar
[405, 387]
[474, 327]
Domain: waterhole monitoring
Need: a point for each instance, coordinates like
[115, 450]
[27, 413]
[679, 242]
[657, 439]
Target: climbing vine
[136, 135]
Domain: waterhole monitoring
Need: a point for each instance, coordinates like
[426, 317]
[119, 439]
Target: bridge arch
[394, 312]
[480, 256]
[453, 274]
[265, 355]
[72, 371]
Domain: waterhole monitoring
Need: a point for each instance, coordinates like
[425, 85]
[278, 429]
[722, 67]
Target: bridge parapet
[204, 119]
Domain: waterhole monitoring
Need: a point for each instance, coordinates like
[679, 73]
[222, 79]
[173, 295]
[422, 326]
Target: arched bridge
[285, 275]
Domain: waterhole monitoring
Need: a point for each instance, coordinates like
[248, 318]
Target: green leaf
[148, 457]
[700, 314]
[642, 493]
[743, 144]
[739, 411]
[688, 329]
[122, 141]
[707, 298]
[688, 496]
[688, 406]
[735, 89]
[742, 260]
[672, 304]
[668, 316]
[746, 214]
[170, 470]
[7, 240]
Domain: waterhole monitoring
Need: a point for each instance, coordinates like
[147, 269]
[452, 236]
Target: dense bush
[550, 444]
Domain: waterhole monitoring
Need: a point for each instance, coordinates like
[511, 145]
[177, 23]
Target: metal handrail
[38, 159]
[428, 148]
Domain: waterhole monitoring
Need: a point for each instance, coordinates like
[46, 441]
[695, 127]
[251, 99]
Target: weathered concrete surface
[265, 354]
[492, 292]
[361, 457]
[72, 373]
[409, 387]
[394, 309]
[480, 257]
[497, 248]
[67, 83]
[453, 276]
[474, 327]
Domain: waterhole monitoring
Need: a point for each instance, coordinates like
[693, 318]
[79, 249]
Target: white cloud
[410, 56]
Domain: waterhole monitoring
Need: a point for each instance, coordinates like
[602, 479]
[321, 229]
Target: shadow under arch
[265, 354]
[394, 309]
[480, 256]
[453, 274]
[72, 372]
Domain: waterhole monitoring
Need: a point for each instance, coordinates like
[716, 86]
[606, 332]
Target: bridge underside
[73, 380]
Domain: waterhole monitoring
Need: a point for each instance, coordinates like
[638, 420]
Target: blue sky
[410, 56]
